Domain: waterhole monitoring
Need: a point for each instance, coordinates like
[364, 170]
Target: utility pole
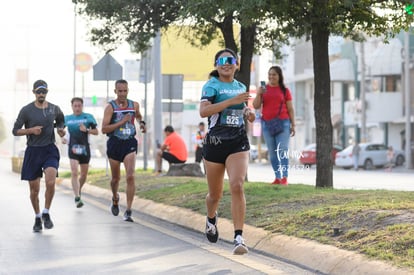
[157, 94]
[362, 96]
[408, 160]
[74, 51]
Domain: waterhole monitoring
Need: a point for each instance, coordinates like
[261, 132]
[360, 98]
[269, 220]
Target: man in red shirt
[173, 150]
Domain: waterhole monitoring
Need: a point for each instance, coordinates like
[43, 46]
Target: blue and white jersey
[228, 123]
[126, 131]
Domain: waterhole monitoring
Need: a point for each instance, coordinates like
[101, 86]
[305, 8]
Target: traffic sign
[107, 69]
[83, 62]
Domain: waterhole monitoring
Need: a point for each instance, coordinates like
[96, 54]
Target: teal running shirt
[228, 123]
[76, 136]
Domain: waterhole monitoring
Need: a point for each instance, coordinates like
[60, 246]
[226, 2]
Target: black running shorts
[117, 148]
[217, 150]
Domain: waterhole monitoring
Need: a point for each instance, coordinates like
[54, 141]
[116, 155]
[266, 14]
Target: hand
[261, 90]
[37, 130]
[249, 114]
[143, 128]
[292, 130]
[241, 98]
[61, 132]
[83, 128]
[126, 118]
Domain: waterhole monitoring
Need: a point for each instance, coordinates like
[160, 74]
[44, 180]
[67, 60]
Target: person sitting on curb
[172, 150]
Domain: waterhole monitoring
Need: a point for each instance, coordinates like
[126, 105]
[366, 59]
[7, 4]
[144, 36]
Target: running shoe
[284, 181]
[239, 247]
[47, 222]
[115, 206]
[127, 216]
[37, 227]
[211, 231]
[78, 202]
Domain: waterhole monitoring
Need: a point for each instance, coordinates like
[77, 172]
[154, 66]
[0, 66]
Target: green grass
[377, 223]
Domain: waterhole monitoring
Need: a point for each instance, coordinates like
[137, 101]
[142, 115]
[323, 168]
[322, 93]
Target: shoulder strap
[281, 104]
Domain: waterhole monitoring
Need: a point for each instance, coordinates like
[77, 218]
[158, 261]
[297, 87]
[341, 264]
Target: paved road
[91, 240]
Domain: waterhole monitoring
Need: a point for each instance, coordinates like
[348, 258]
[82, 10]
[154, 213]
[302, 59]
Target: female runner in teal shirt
[226, 146]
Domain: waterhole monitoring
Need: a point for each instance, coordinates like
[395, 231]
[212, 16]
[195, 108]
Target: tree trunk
[322, 105]
[226, 28]
[247, 38]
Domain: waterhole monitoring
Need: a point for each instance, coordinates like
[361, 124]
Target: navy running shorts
[221, 149]
[117, 149]
[37, 159]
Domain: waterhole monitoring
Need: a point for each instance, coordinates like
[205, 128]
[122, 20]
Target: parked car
[308, 155]
[372, 155]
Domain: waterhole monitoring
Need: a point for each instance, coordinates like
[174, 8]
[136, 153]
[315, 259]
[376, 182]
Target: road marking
[246, 260]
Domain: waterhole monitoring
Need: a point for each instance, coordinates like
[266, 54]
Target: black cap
[39, 84]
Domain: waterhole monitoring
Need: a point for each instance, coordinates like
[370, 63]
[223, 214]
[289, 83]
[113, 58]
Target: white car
[371, 155]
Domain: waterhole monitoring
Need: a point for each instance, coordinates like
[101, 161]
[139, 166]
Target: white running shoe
[239, 247]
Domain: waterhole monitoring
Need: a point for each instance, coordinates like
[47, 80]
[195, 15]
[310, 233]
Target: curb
[313, 255]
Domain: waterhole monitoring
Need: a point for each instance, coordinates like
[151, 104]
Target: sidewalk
[322, 258]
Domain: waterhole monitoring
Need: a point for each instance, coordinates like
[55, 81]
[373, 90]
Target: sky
[38, 37]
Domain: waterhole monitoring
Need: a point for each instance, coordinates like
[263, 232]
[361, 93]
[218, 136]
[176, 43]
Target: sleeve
[167, 141]
[208, 93]
[92, 122]
[288, 95]
[59, 118]
[66, 120]
[18, 124]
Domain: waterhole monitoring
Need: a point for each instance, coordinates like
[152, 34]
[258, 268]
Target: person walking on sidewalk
[39, 119]
[226, 146]
[119, 125]
[390, 158]
[356, 149]
[79, 125]
[275, 101]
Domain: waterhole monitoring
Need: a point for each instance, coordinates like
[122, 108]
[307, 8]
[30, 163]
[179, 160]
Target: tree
[317, 20]
[263, 24]
[138, 21]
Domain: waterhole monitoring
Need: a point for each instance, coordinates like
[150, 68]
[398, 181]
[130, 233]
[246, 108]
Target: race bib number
[125, 131]
[78, 149]
[231, 118]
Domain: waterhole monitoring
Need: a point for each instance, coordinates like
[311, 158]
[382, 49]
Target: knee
[115, 179]
[83, 177]
[130, 178]
[50, 185]
[74, 173]
[237, 188]
[34, 192]
[214, 197]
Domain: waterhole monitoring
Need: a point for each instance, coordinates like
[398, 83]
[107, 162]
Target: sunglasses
[41, 91]
[230, 60]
